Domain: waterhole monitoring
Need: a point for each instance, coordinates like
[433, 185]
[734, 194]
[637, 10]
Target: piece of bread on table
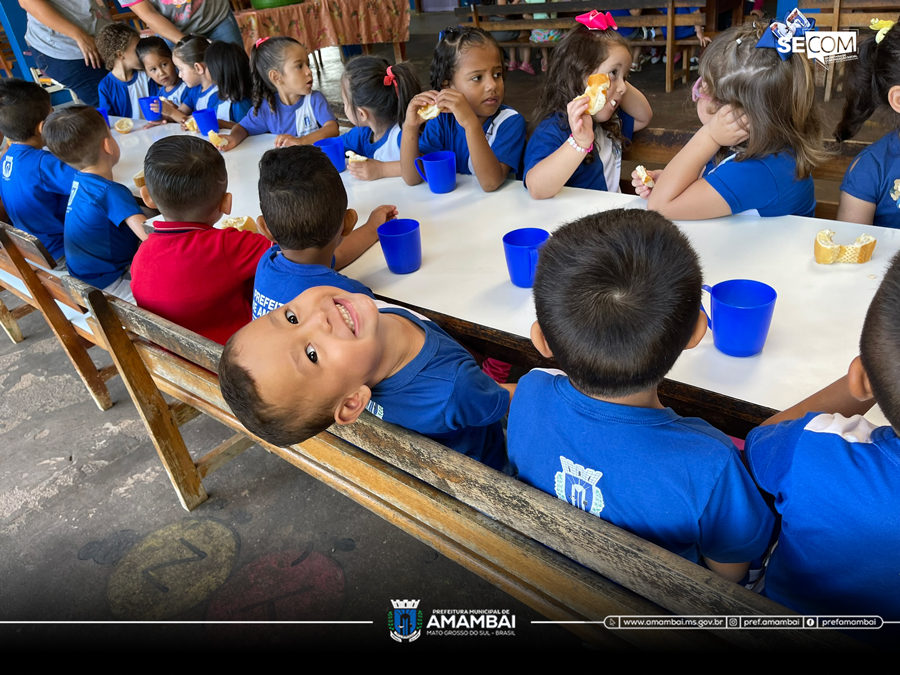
[245, 223]
[644, 176]
[429, 112]
[139, 179]
[827, 252]
[353, 157]
[124, 125]
[216, 140]
[191, 124]
[598, 85]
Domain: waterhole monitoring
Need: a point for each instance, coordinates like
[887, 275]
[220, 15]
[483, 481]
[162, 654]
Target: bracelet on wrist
[571, 141]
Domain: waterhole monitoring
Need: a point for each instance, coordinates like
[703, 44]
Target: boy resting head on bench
[617, 296]
[328, 355]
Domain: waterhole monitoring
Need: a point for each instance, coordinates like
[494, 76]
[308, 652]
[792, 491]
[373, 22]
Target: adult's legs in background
[74, 74]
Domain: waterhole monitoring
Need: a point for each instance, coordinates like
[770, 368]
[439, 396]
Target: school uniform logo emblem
[895, 193]
[578, 486]
[405, 620]
[7, 166]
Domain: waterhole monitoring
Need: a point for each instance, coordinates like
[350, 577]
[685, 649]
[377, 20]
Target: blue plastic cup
[105, 113]
[522, 248]
[401, 244]
[740, 316]
[334, 148]
[438, 169]
[206, 121]
[149, 115]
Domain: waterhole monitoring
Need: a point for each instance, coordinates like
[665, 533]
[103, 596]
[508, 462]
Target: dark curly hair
[452, 41]
[113, 40]
[576, 56]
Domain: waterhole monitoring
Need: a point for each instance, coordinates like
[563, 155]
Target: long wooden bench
[565, 18]
[659, 146]
[567, 564]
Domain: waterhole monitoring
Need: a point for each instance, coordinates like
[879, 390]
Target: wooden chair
[566, 12]
[27, 271]
[659, 146]
[565, 563]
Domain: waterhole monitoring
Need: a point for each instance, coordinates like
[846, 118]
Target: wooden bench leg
[71, 342]
[9, 323]
[398, 57]
[150, 404]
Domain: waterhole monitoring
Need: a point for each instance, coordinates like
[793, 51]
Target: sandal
[635, 67]
[513, 65]
[527, 68]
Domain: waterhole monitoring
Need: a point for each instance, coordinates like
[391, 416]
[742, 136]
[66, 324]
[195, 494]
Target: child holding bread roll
[760, 140]
[467, 112]
[573, 145]
[376, 96]
[870, 193]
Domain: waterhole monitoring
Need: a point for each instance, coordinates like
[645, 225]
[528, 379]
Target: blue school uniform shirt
[279, 280]
[177, 94]
[443, 394]
[208, 99]
[385, 149]
[874, 177]
[681, 32]
[121, 98]
[99, 244]
[553, 131]
[836, 483]
[675, 481]
[307, 115]
[505, 132]
[766, 184]
[34, 189]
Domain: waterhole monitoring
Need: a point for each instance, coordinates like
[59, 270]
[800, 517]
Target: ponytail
[869, 80]
[266, 55]
[384, 89]
[191, 49]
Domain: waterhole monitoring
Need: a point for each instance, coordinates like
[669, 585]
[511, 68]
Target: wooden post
[670, 47]
[829, 74]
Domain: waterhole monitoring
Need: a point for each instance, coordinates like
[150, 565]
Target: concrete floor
[88, 519]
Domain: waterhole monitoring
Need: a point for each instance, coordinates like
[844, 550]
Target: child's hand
[413, 120]
[371, 169]
[155, 123]
[381, 214]
[641, 190]
[455, 101]
[229, 143]
[727, 127]
[581, 124]
[286, 141]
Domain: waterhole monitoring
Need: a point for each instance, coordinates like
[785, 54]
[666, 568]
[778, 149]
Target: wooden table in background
[331, 23]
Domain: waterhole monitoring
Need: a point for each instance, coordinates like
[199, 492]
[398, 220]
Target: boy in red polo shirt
[188, 271]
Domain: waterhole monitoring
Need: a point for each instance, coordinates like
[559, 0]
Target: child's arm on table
[489, 171]
[328, 130]
[372, 169]
[136, 224]
[678, 194]
[235, 138]
[636, 105]
[409, 140]
[547, 177]
[854, 210]
[361, 239]
[847, 396]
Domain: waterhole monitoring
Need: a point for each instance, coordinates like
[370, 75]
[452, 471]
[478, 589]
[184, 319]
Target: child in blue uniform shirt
[617, 296]
[487, 137]
[835, 478]
[870, 193]
[304, 211]
[156, 58]
[764, 157]
[376, 96]
[218, 75]
[328, 355]
[34, 185]
[569, 146]
[104, 224]
[126, 82]
[284, 102]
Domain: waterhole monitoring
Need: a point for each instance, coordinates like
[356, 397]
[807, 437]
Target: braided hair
[451, 42]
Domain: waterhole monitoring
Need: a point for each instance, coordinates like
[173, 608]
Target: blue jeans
[228, 31]
[81, 79]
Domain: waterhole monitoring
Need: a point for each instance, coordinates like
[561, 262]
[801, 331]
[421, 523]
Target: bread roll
[353, 157]
[827, 252]
[245, 223]
[429, 112]
[216, 140]
[139, 179]
[644, 176]
[191, 124]
[598, 85]
[123, 126]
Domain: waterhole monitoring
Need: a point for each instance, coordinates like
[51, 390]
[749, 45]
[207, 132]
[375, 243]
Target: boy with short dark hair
[34, 185]
[304, 211]
[104, 224]
[617, 296]
[188, 271]
[327, 355]
[835, 478]
[126, 83]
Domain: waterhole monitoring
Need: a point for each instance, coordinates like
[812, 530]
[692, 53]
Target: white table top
[818, 315]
